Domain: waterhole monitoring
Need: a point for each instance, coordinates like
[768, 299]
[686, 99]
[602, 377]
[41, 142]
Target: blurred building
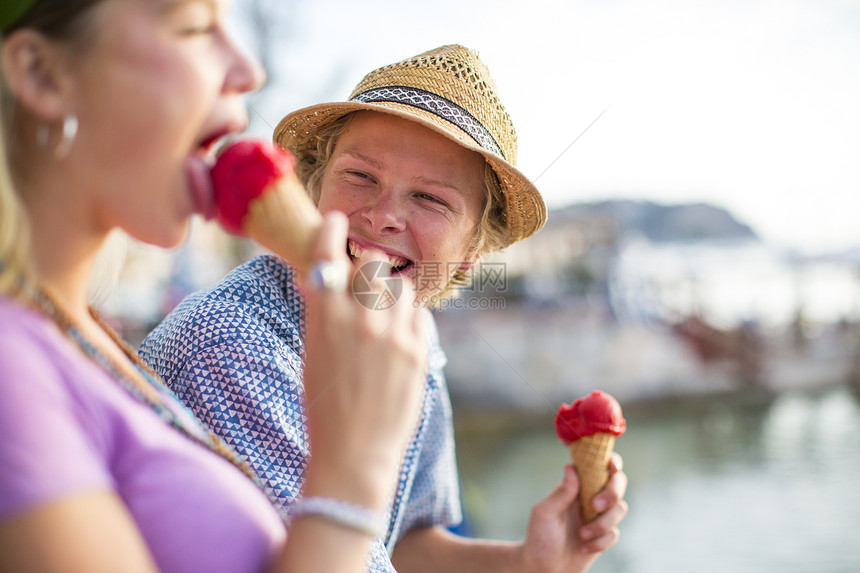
[648, 301]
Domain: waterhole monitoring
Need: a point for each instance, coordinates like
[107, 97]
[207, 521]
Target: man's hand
[557, 540]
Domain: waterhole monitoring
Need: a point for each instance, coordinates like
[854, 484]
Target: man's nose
[386, 213]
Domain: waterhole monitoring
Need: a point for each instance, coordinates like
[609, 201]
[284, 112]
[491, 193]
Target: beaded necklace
[148, 388]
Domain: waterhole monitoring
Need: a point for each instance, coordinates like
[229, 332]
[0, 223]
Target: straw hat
[450, 91]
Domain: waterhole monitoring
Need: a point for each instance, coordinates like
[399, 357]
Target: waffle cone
[285, 220]
[590, 456]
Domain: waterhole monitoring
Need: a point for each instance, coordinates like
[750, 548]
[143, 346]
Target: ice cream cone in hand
[258, 195]
[589, 427]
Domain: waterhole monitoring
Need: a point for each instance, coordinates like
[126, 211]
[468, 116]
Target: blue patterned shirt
[234, 354]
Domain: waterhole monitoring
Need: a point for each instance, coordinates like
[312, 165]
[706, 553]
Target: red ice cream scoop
[242, 173]
[258, 195]
[596, 413]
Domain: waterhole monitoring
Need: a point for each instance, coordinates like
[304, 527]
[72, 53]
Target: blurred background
[701, 260]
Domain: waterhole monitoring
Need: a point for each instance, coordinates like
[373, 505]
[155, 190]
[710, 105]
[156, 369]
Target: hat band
[438, 106]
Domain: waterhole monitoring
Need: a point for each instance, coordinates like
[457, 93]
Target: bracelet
[345, 513]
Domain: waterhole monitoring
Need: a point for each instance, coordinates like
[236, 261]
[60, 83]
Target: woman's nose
[245, 73]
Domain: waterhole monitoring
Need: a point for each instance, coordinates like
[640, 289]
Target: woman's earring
[70, 132]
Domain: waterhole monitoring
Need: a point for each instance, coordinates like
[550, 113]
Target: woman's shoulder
[43, 412]
[13, 312]
[40, 369]
[36, 360]
[26, 335]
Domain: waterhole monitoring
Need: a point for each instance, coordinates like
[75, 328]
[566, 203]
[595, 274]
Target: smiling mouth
[398, 264]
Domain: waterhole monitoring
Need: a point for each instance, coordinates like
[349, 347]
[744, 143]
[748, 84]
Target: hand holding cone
[589, 427]
[258, 195]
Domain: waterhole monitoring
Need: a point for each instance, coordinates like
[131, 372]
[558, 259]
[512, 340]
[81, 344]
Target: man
[421, 160]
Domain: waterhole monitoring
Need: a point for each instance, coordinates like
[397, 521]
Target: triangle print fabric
[234, 354]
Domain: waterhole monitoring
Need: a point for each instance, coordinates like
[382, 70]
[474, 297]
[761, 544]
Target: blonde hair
[490, 233]
[15, 273]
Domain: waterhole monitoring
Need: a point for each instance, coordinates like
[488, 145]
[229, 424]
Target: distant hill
[659, 223]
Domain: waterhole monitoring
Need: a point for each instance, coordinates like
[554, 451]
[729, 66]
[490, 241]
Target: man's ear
[35, 72]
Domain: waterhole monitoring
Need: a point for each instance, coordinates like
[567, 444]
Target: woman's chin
[165, 237]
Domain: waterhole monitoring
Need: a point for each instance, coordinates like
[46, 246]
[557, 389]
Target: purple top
[68, 428]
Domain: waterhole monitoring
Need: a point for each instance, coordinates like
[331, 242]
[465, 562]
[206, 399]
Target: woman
[109, 110]
[421, 159]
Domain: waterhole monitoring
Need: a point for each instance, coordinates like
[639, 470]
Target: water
[743, 487]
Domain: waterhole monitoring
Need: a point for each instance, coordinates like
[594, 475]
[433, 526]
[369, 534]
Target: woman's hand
[364, 379]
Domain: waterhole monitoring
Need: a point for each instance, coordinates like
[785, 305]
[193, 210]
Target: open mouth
[398, 264]
[213, 144]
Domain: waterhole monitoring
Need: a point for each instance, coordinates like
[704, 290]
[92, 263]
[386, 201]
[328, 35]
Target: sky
[750, 105]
